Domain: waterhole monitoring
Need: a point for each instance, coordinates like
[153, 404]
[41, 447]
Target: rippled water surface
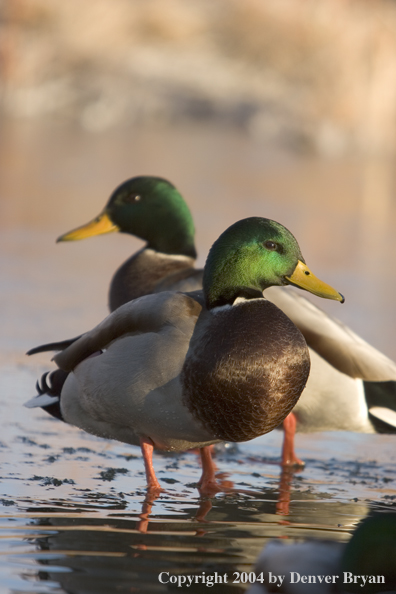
[74, 513]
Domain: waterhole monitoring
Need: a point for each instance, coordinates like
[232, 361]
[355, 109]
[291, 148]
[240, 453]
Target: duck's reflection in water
[122, 552]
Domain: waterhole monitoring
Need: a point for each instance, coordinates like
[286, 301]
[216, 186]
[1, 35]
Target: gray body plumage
[133, 388]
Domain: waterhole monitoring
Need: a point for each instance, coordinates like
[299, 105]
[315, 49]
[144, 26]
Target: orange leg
[283, 503]
[145, 515]
[289, 457]
[147, 448]
[207, 483]
[197, 450]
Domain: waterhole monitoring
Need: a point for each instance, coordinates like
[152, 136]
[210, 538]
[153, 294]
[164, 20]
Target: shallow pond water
[74, 513]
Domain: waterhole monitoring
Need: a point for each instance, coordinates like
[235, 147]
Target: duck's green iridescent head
[252, 255]
[150, 208]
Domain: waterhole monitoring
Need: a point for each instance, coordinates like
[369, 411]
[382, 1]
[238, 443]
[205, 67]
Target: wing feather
[145, 314]
[332, 340]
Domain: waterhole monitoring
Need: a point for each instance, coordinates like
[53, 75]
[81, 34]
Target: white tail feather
[40, 401]
[386, 415]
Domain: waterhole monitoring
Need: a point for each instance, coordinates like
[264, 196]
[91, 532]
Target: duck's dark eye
[271, 245]
[131, 198]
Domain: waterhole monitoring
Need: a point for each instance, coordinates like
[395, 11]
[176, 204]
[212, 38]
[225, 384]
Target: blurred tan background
[277, 108]
[316, 75]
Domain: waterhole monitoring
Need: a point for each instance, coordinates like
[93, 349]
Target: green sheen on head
[252, 255]
[150, 208]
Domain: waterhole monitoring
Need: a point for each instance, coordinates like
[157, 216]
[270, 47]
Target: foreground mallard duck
[351, 386]
[365, 564]
[175, 371]
[152, 209]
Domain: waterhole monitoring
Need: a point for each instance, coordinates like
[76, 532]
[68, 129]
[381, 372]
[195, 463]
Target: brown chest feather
[141, 273]
[245, 371]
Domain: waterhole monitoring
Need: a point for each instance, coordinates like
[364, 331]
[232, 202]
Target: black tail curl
[53, 346]
[51, 383]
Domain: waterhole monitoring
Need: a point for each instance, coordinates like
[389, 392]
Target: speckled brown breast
[245, 370]
[140, 274]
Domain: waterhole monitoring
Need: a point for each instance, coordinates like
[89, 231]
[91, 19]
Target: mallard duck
[351, 386]
[175, 370]
[365, 564]
[152, 209]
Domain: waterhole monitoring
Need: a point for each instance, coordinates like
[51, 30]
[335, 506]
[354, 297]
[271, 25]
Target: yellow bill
[302, 277]
[100, 225]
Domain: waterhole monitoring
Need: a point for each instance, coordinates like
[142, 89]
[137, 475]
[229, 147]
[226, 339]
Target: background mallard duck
[152, 209]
